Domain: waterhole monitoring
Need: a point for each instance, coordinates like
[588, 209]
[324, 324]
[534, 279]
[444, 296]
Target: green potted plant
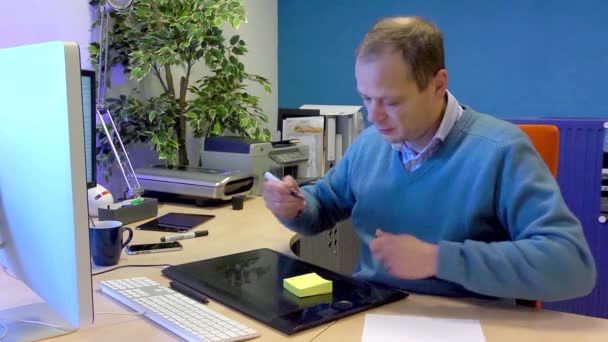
[163, 40]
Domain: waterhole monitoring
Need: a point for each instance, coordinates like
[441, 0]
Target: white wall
[261, 36]
[36, 21]
[33, 21]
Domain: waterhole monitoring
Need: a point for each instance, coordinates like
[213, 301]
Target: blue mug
[106, 238]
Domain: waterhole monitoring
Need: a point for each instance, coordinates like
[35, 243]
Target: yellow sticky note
[305, 285]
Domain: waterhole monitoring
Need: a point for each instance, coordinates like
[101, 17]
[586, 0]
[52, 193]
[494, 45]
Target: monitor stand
[38, 312]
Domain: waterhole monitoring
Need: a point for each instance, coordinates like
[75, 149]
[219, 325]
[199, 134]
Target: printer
[194, 182]
[254, 157]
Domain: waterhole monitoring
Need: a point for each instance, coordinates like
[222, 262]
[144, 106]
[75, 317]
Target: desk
[255, 227]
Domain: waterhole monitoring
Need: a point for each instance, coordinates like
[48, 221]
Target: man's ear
[440, 82]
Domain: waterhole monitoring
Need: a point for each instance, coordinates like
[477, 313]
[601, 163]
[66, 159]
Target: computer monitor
[44, 235]
[90, 115]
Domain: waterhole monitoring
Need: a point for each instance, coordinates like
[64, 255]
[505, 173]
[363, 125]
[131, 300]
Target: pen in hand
[270, 177]
[184, 236]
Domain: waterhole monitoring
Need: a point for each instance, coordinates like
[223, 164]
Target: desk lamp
[103, 112]
[129, 210]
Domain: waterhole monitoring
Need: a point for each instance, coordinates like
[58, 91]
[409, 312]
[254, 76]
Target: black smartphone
[159, 247]
[175, 222]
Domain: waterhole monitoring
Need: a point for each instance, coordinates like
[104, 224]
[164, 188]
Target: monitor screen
[88, 108]
[44, 235]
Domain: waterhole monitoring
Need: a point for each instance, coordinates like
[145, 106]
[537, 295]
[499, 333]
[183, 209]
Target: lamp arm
[126, 168]
[102, 58]
[103, 113]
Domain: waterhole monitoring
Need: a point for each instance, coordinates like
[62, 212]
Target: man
[445, 200]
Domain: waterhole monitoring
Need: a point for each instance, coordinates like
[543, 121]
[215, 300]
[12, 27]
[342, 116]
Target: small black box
[147, 209]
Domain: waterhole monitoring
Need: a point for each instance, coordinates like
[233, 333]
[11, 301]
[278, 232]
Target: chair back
[545, 139]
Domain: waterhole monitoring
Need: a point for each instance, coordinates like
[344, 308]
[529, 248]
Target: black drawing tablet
[175, 222]
[252, 283]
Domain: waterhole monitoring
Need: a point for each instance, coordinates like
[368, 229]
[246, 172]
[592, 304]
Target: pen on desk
[188, 292]
[184, 236]
[270, 177]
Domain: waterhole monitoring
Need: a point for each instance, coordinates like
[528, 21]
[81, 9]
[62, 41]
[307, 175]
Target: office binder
[331, 139]
[343, 123]
[309, 130]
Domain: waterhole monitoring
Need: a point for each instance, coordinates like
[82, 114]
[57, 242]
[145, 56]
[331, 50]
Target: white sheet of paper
[389, 328]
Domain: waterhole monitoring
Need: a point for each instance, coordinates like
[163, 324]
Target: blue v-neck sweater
[485, 197]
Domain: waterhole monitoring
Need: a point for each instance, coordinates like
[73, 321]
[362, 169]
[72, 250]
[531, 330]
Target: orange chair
[545, 139]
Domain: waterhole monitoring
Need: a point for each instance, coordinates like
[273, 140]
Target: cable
[5, 332]
[322, 331]
[118, 313]
[44, 323]
[124, 196]
[9, 273]
[115, 268]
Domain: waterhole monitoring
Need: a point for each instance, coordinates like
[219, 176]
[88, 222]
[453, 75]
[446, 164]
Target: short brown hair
[419, 41]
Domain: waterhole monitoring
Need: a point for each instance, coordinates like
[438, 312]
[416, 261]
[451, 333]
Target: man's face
[395, 105]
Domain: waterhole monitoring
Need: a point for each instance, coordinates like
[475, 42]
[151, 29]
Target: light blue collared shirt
[412, 160]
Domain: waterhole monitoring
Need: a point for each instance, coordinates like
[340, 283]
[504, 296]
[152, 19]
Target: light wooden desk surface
[255, 227]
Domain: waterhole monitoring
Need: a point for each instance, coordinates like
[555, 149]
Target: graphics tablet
[252, 283]
[175, 222]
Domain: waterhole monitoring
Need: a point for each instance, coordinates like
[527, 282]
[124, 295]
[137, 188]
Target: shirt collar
[453, 112]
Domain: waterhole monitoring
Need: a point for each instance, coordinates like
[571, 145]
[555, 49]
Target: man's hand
[405, 256]
[284, 198]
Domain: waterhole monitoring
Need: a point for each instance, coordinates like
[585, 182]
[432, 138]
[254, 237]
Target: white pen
[272, 178]
[184, 236]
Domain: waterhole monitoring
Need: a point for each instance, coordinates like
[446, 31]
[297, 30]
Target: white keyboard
[190, 320]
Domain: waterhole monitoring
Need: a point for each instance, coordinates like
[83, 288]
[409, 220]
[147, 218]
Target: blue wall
[508, 58]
